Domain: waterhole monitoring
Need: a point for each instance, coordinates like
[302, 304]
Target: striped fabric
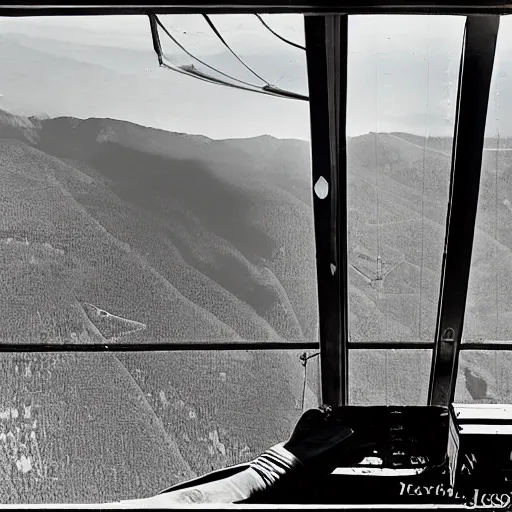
[275, 463]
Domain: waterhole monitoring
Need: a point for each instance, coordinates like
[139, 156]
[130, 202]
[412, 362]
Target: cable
[157, 46]
[496, 217]
[386, 388]
[278, 35]
[174, 40]
[269, 91]
[192, 72]
[217, 33]
[304, 358]
[496, 236]
[423, 189]
[375, 150]
[304, 387]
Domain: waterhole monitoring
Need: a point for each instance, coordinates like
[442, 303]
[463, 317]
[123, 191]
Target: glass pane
[489, 302]
[389, 377]
[93, 428]
[271, 61]
[130, 210]
[485, 376]
[402, 82]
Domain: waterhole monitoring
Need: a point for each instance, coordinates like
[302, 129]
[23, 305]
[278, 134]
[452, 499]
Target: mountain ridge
[73, 139]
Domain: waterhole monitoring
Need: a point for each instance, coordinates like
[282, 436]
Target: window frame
[477, 61]
[326, 55]
[476, 66]
[495, 7]
[328, 79]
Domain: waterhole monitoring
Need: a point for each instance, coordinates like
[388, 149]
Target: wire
[423, 189]
[192, 72]
[174, 40]
[217, 33]
[386, 388]
[304, 358]
[496, 219]
[278, 35]
[496, 232]
[157, 46]
[304, 387]
[375, 150]
[496, 236]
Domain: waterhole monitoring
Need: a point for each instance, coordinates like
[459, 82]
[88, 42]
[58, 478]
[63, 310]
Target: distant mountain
[398, 197]
[95, 81]
[248, 203]
[115, 232]
[111, 231]
[406, 183]
[145, 190]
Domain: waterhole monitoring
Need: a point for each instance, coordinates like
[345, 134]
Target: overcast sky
[402, 73]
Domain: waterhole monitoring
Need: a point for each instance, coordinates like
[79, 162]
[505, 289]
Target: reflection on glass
[402, 78]
[389, 377]
[489, 303]
[115, 225]
[95, 428]
[485, 376]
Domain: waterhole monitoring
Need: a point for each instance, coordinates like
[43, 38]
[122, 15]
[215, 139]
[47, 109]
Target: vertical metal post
[477, 61]
[326, 50]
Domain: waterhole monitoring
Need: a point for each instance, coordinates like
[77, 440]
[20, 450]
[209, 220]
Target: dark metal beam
[173, 347]
[477, 61]
[488, 345]
[340, 7]
[391, 345]
[154, 347]
[326, 50]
